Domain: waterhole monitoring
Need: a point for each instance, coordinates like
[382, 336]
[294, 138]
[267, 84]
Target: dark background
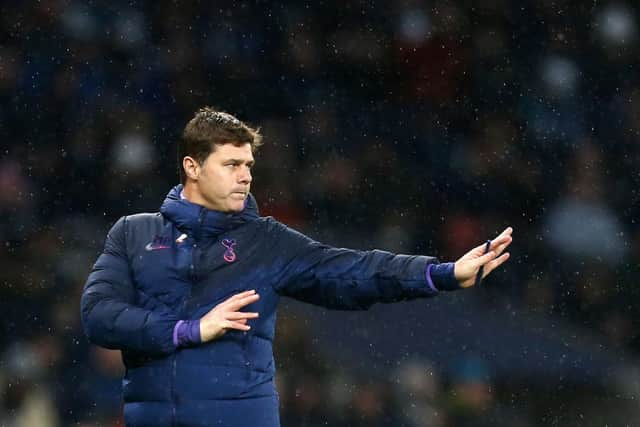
[412, 126]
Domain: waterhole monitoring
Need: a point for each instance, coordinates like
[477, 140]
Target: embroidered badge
[229, 254]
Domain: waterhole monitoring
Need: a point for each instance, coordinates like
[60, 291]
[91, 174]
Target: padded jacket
[159, 268]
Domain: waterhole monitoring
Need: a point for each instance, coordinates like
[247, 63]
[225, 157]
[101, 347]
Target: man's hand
[226, 315]
[466, 268]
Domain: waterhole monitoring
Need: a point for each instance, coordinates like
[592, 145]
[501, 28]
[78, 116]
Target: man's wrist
[441, 277]
[186, 333]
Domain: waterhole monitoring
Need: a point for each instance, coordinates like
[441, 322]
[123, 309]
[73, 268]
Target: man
[189, 294]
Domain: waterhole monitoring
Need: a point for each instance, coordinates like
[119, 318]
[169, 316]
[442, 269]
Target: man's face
[225, 177]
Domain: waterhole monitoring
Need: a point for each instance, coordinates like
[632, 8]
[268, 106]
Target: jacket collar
[197, 220]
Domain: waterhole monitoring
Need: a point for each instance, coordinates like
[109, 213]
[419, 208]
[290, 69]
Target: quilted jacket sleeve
[344, 278]
[109, 315]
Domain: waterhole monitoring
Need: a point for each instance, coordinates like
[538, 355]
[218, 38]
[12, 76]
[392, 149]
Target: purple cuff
[429, 281]
[186, 333]
[441, 277]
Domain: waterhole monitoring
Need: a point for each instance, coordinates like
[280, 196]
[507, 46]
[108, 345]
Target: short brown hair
[208, 128]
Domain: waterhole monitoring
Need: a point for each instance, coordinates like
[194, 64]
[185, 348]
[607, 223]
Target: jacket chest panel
[162, 274]
[220, 273]
[184, 273]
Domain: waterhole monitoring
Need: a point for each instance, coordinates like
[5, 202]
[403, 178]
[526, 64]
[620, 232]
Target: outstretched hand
[466, 268]
[227, 315]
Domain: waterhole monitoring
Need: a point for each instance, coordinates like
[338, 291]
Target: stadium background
[419, 127]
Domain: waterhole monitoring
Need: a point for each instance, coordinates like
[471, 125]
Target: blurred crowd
[412, 126]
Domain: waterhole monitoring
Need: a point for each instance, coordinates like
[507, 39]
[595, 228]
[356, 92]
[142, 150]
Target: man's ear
[191, 168]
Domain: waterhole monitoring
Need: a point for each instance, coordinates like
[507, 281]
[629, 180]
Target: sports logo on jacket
[229, 254]
[158, 242]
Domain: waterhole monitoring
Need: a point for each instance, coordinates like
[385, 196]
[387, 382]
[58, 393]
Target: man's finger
[506, 232]
[236, 325]
[236, 297]
[242, 302]
[242, 295]
[479, 250]
[484, 259]
[495, 263]
[499, 247]
[500, 240]
[237, 315]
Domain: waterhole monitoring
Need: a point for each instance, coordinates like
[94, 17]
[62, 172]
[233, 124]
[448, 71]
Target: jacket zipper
[173, 391]
[196, 237]
[192, 275]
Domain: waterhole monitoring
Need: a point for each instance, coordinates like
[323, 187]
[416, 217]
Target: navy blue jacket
[150, 275]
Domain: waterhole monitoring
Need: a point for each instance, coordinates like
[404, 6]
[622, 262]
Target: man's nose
[245, 176]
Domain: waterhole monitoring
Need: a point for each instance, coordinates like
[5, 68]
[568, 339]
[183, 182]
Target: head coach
[189, 294]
